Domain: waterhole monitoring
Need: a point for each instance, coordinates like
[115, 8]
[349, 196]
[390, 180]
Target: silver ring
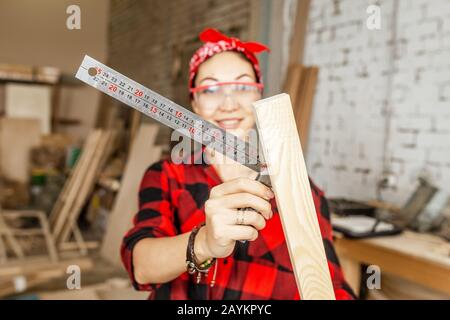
[240, 218]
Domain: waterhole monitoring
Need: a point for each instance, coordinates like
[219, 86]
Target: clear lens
[212, 96]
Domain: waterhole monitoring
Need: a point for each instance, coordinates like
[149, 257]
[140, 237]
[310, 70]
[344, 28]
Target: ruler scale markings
[167, 112]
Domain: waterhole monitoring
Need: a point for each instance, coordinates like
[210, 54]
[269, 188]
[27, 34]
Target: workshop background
[369, 82]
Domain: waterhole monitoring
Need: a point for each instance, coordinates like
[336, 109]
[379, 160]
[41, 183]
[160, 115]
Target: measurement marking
[167, 112]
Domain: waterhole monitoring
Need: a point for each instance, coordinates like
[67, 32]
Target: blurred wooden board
[18, 277]
[304, 111]
[17, 138]
[284, 158]
[142, 154]
[297, 45]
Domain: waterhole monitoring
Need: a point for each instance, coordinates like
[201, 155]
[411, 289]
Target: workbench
[419, 258]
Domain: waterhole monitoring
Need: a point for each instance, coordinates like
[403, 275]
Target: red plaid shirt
[171, 201]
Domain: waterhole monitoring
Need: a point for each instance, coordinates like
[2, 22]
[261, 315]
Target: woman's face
[233, 112]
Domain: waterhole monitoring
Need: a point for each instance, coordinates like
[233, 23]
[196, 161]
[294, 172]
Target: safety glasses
[211, 96]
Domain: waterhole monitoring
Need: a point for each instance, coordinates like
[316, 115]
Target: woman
[189, 240]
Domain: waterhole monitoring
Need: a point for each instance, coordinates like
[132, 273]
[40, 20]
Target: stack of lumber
[79, 185]
[18, 72]
[143, 153]
[300, 84]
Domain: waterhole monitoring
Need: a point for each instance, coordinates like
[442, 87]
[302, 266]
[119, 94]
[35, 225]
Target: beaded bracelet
[191, 259]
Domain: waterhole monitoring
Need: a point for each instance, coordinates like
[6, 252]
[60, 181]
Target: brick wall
[383, 96]
[153, 40]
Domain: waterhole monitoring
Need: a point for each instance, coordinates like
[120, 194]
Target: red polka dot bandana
[216, 42]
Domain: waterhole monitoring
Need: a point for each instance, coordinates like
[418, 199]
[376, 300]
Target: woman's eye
[245, 88]
[211, 90]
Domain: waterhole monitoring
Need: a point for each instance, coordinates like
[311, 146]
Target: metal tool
[157, 107]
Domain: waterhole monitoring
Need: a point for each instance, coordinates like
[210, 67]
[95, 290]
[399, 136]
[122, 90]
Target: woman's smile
[229, 123]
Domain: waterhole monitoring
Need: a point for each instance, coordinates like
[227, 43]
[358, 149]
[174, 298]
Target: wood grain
[286, 166]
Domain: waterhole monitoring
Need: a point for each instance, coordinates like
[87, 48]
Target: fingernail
[270, 194]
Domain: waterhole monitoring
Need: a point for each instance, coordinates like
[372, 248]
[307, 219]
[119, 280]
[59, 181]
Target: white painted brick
[419, 97]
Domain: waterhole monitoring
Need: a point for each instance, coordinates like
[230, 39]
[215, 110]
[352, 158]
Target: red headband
[216, 42]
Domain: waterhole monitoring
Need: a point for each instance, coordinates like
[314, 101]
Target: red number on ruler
[154, 109]
[113, 88]
[192, 130]
[178, 114]
[139, 93]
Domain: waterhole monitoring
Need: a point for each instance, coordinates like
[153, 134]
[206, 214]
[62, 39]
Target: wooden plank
[68, 246]
[286, 166]
[35, 265]
[62, 211]
[97, 161]
[104, 149]
[11, 287]
[142, 154]
[297, 45]
[293, 83]
[303, 116]
[36, 274]
[17, 138]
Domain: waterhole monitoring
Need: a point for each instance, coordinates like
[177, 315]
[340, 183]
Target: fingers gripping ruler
[169, 113]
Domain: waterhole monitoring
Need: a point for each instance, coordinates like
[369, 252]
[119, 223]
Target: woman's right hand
[224, 225]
